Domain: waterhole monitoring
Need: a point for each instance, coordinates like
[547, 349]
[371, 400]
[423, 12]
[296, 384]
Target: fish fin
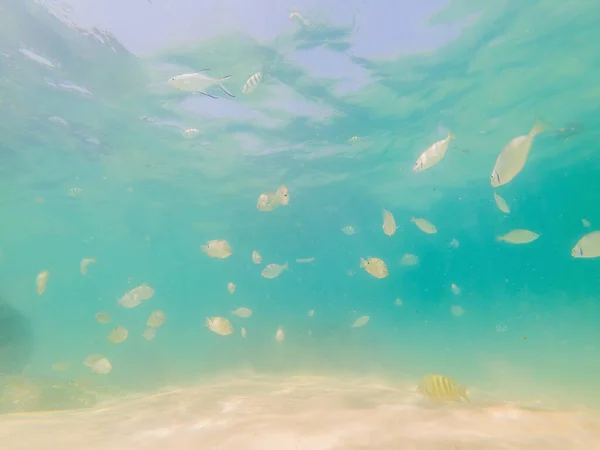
[225, 90]
[463, 393]
[538, 128]
[363, 263]
[208, 95]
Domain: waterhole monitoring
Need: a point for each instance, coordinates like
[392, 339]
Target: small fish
[433, 155]
[457, 310]
[513, 156]
[304, 260]
[198, 82]
[242, 312]
[217, 248]
[354, 140]
[102, 317]
[92, 359]
[280, 335]
[586, 223]
[136, 296]
[440, 388]
[300, 21]
[74, 192]
[398, 302]
[271, 200]
[348, 230]
[588, 246]
[118, 334]
[190, 133]
[41, 281]
[149, 333]
[83, 265]
[311, 312]
[61, 366]
[424, 225]
[519, 237]
[219, 325]
[252, 83]
[273, 270]
[501, 204]
[455, 289]
[102, 367]
[243, 331]
[409, 259]
[454, 243]
[256, 258]
[375, 267]
[156, 319]
[360, 322]
[389, 224]
[231, 287]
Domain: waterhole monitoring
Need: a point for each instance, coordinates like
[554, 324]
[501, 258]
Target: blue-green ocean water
[149, 198]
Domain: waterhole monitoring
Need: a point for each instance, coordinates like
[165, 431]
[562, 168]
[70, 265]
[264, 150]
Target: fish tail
[538, 128]
[462, 391]
[451, 136]
[499, 238]
[363, 263]
[285, 266]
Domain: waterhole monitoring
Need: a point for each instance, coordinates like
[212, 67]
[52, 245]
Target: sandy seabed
[300, 413]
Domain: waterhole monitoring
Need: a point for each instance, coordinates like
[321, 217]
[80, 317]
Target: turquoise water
[150, 197]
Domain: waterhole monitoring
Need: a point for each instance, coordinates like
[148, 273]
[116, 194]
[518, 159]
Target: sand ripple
[300, 413]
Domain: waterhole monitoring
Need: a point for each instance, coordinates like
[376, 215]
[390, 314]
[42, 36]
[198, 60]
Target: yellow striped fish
[252, 83]
[442, 389]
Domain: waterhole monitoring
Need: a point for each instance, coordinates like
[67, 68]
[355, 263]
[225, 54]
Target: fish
[136, 296]
[586, 223]
[41, 281]
[242, 312]
[156, 319]
[102, 317]
[252, 83]
[588, 246]
[305, 260]
[457, 310]
[149, 333]
[454, 243]
[231, 287]
[433, 155]
[102, 367]
[118, 334]
[375, 267]
[440, 388]
[74, 192]
[311, 312]
[501, 204]
[354, 140]
[455, 289]
[518, 237]
[389, 224]
[300, 21]
[219, 325]
[61, 366]
[409, 259]
[398, 302]
[360, 322]
[256, 258]
[190, 133]
[272, 200]
[280, 335]
[273, 270]
[198, 82]
[83, 265]
[424, 225]
[513, 156]
[348, 230]
[92, 359]
[243, 331]
[217, 248]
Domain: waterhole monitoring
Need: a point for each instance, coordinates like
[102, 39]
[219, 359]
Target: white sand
[299, 413]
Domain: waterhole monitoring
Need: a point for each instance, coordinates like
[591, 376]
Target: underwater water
[112, 177]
